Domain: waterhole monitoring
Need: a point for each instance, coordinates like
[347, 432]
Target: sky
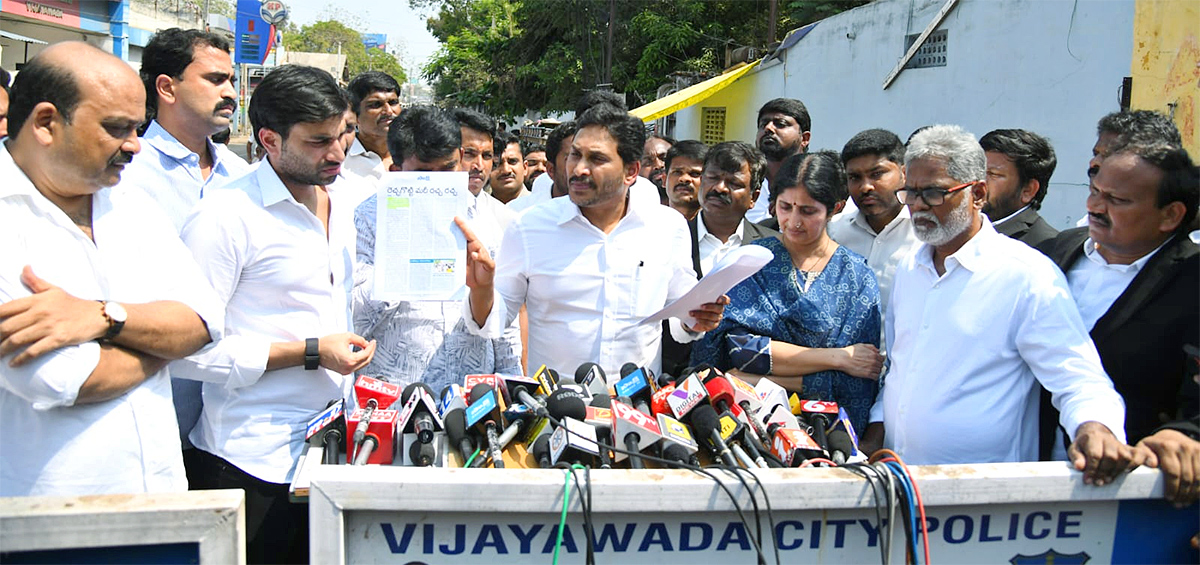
[404, 27]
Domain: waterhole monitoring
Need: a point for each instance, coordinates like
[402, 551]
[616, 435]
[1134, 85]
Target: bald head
[62, 75]
[73, 119]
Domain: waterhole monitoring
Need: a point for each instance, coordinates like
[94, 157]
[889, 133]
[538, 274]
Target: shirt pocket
[641, 287]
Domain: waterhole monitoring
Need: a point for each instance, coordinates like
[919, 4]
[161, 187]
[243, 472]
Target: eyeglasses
[932, 196]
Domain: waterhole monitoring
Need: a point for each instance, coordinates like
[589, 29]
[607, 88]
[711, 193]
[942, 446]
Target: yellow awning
[690, 95]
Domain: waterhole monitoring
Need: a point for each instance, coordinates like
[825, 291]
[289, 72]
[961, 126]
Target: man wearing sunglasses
[976, 320]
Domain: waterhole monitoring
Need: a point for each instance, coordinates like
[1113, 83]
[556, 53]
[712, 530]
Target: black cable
[870, 477]
[770, 513]
[676, 464]
[754, 502]
[585, 502]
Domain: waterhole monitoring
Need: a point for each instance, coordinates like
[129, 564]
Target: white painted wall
[1050, 66]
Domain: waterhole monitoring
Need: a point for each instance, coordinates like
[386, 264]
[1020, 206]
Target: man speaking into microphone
[590, 267]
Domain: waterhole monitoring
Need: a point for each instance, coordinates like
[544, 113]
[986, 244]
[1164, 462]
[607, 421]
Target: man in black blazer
[730, 184]
[1135, 276]
[1019, 165]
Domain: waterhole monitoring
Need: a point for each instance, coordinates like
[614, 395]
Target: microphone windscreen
[676, 452]
[705, 420]
[566, 403]
[628, 368]
[839, 440]
[409, 391]
[421, 454]
[719, 388]
[456, 425]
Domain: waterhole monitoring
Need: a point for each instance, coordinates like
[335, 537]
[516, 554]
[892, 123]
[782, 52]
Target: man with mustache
[591, 266]
[732, 174]
[375, 100]
[783, 131]
[880, 228]
[97, 292]
[976, 321]
[1019, 167]
[554, 183]
[1135, 276]
[685, 166]
[654, 156]
[188, 77]
[507, 178]
[535, 162]
[278, 247]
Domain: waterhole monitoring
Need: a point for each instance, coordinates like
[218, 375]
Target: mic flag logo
[1050, 557]
[686, 396]
[729, 425]
[480, 408]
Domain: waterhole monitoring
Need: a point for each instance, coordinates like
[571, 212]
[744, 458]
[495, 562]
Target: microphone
[687, 396]
[566, 403]
[820, 416]
[792, 446]
[658, 400]
[588, 372]
[733, 431]
[636, 430]
[327, 430]
[574, 441]
[372, 394]
[453, 410]
[418, 415]
[600, 416]
[843, 441]
[638, 386]
[422, 454]
[747, 399]
[676, 433]
[679, 454]
[482, 415]
[378, 445]
[470, 381]
[541, 451]
[704, 419]
[547, 380]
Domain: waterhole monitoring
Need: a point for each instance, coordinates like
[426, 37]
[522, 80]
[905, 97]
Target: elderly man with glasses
[976, 321]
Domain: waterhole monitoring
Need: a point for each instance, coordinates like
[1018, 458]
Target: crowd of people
[913, 282]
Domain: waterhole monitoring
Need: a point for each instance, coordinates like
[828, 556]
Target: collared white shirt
[998, 223]
[967, 346]
[1096, 284]
[884, 250]
[129, 444]
[585, 290]
[761, 209]
[281, 279]
[427, 341]
[362, 162]
[712, 249]
[170, 173]
[355, 189]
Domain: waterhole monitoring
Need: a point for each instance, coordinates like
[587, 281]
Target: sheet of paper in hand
[420, 255]
[732, 269]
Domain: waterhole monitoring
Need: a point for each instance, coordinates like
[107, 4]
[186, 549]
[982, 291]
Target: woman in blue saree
[810, 318]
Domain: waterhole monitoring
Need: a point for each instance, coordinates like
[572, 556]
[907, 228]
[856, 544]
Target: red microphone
[378, 445]
[658, 402]
[372, 394]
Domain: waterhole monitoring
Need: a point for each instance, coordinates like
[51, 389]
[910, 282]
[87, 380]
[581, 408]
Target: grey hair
[964, 157]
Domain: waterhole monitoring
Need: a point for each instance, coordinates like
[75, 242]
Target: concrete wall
[1050, 66]
[1166, 64]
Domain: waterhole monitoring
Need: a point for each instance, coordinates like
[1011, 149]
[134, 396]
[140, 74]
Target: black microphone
[840, 445]
[484, 403]
[455, 419]
[541, 451]
[421, 420]
[566, 403]
[327, 430]
[679, 454]
[704, 419]
[421, 454]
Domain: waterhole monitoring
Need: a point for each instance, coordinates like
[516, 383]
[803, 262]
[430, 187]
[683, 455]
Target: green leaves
[331, 35]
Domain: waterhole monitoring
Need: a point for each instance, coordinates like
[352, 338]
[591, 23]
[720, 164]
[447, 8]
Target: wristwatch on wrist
[312, 354]
[115, 315]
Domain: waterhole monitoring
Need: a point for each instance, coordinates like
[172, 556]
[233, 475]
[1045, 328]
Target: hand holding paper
[734, 268]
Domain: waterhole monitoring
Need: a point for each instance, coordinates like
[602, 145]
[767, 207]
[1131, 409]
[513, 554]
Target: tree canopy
[511, 56]
[330, 35]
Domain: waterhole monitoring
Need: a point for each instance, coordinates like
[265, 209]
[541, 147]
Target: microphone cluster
[546, 420]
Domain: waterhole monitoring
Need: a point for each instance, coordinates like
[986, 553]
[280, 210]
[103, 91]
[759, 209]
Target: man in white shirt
[729, 185]
[277, 245]
[1135, 276]
[188, 77]
[507, 179]
[553, 184]
[85, 400]
[589, 267]
[783, 131]
[879, 229]
[375, 99]
[975, 322]
[424, 341]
